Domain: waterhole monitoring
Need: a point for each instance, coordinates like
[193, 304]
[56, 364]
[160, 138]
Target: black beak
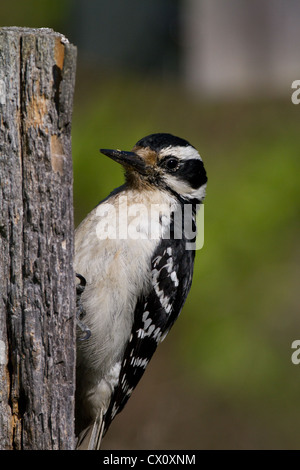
[127, 159]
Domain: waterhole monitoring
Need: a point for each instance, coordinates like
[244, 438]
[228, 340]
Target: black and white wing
[155, 313]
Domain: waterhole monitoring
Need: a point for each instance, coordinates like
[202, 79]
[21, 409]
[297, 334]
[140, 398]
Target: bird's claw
[85, 329]
[80, 313]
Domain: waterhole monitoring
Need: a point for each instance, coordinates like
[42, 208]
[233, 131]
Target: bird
[135, 267]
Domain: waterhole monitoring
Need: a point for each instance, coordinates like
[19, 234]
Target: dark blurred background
[218, 74]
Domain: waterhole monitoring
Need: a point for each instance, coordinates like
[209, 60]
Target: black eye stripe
[190, 171]
[193, 172]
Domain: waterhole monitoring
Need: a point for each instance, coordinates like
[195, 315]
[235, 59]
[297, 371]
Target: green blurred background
[223, 379]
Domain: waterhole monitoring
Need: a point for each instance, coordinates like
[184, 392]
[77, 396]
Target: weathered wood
[37, 325]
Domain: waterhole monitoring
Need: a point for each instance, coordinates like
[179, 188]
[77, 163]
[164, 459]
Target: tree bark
[37, 300]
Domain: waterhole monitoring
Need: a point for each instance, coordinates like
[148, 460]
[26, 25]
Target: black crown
[159, 141]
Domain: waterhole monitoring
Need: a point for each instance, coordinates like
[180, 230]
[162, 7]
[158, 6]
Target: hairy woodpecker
[135, 273]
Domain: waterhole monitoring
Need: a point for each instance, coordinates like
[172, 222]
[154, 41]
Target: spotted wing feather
[154, 315]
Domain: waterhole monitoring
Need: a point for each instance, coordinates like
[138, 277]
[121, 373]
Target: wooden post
[37, 285]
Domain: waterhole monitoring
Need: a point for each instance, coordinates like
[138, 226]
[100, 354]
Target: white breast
[113, 250]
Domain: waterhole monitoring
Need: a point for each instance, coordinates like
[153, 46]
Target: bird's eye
[171, 163]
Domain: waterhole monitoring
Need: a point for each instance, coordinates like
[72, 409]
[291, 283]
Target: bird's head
[166, 162]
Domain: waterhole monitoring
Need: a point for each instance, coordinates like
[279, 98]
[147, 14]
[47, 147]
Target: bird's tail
[90, 438]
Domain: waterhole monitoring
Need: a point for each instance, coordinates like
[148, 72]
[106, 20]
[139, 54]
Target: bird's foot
[80, 313]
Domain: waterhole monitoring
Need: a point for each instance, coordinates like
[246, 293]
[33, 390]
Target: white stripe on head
[182, 153]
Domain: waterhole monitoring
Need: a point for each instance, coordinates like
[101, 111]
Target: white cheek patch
[199, 193]
[184, 189]
[179, 186]
[183, 153]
